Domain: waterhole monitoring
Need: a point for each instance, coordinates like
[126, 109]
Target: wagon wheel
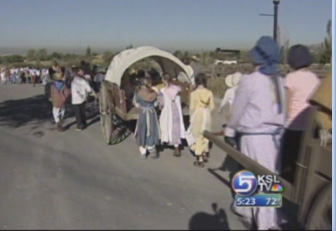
[319, 217]
[114, 129]
[120, 130]
[105, 111]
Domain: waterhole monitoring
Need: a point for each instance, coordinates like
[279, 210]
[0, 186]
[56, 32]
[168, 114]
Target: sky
[167, 24]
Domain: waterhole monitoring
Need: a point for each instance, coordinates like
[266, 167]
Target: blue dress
[147, 131]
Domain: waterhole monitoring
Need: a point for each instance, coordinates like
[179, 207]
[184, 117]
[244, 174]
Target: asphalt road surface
[73, 180]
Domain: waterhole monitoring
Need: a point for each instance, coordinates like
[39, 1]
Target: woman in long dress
[171, 118]
[147, 130]
[201, 106]
[258, 116]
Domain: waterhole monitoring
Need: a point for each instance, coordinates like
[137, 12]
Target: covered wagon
[117, 90]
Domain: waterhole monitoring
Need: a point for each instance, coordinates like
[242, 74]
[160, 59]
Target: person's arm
[224, 101]
[289, 86]
[212, 103]
[89, 89]
[242, 97]
[192, 104]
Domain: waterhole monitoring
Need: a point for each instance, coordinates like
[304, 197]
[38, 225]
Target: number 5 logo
[244, 183]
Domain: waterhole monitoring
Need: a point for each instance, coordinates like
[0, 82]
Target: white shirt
[228, 97]
[79, 90]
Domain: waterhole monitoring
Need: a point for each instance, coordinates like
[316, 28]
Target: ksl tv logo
[245, 183]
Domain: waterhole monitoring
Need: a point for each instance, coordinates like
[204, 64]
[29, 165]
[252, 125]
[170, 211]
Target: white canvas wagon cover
[168, 62]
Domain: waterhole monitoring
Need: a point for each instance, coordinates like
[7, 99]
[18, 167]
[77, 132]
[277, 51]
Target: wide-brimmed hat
[236, 78]
[233, 79]
[266, 53]
[228, 80]
[299, 57]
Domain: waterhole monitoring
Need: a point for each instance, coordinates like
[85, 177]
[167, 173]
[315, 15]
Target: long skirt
[263, 150]
[199, 122]
[176, 136]
[148, 131]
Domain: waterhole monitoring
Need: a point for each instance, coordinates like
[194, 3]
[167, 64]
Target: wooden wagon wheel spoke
[120, 133]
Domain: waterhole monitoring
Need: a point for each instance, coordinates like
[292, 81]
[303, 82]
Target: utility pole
[275, 26]
[275, 18]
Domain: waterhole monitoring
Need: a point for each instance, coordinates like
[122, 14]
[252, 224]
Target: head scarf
[266, 53]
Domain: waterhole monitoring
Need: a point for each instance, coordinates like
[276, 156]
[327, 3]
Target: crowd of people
[266, 117]
[23, 75]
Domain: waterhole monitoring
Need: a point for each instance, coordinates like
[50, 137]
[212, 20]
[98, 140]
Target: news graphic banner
[257, 191]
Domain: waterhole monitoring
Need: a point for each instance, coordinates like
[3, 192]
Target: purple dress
[255, 115]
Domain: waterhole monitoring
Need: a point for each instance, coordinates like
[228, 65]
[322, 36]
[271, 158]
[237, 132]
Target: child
[171, 118]
[201, 106]
[80, 90]
[232, 82]
[59, 95]
[147, 131]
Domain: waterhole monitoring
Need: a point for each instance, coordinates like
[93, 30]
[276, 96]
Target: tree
[285, 49]
[14, 59]
[325, 55]
[42, 54]
[178, 54]
[31, 55]
[186, 54]
[55, 55]
[88, 52]
[329, 29]
[129, 47]
[107, 57]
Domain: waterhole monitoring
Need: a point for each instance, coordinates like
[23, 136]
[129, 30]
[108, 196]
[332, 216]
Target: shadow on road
[37, 110]
[17, 113]
[206, 221]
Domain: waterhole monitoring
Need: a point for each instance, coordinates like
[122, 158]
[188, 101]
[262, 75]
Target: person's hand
[231, 141]
[93, 94]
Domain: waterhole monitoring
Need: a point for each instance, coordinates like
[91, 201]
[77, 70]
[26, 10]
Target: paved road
[73, 180]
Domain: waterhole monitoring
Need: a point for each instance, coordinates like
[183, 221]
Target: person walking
[300, 84]
[201, 106]
[80, 90]
[147, 131]
[59, 95]
[171, 118]
[258, 115]
[231, 81]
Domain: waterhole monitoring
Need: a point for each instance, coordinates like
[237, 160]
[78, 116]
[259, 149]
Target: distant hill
[23, 51]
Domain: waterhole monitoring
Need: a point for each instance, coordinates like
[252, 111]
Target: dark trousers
[80, 115]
